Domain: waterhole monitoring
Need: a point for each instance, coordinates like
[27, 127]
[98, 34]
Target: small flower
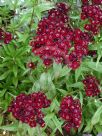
[31, 65]
[7, 37]
[91, 85]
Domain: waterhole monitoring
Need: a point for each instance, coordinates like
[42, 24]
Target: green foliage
[56, 81]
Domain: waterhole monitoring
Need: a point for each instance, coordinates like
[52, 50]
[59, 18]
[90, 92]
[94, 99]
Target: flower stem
[78, 3]
[31, 21]
[39, 131]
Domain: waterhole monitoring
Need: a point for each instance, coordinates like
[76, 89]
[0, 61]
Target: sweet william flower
[1, 34]
[71, 112]
[93, 13]
[91, 85]
[31, 65]
[27, 108]
[7, 37]
[55, 38]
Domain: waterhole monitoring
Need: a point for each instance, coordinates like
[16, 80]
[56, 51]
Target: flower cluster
[52, 40]
[27, 108]
[95, 2]
[55, 38]
[93, 13]
[91, 85]
[6, 37]
[80, 40]
[71, 112]
[98, 2]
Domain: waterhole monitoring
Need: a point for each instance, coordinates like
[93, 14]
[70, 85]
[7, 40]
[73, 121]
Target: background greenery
[57, 81]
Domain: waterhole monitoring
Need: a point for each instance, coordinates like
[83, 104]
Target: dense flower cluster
[96, 2]
[6, 37]
[55, 38]
[91, 85]
[80, 40]
[52, 40]
[71, 112]
[27, 108]
[93, 13]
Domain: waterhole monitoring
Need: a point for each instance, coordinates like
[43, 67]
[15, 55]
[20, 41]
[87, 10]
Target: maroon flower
[71, 112]
[93, 13]
[98, 2]
[73, 60]
[91, 85]
[1, 34]
[7, 37]
[31, 65]
[27, 108]
[55, 38]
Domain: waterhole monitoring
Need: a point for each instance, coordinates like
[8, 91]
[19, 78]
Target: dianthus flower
[71, 112]
[27, 108]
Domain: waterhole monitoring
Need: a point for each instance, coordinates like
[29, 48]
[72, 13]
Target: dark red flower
[93, 13]
[7, 37]
[31, 65]
[71, 112]
[91, 85]
[27, 108]
[73, 60]
[1, 34]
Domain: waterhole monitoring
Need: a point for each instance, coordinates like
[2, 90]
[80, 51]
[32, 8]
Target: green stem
[31, 22]
[39, 131]
[78, 4]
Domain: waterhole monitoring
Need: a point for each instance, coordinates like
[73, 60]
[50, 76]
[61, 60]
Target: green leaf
[54, 105]
[88, 128]
[98, 59]
[15, 70]
[22, 37]
[3, 76]
[3, 64]
[76, 85]
[96, 117]
[2, 92]
[48, 117]
[20, 63]
[15, 81]
[38, 13]
[57, 68]
[43, 7]
[98, 128]
[12, 127]
[62, 91]
[81, 98]
[6, 50]
[43, 81]
[51, 85]
[75, 17]
[77, 73]
[65, 71]
[1, 119]
[58, 124]
[92, 65]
